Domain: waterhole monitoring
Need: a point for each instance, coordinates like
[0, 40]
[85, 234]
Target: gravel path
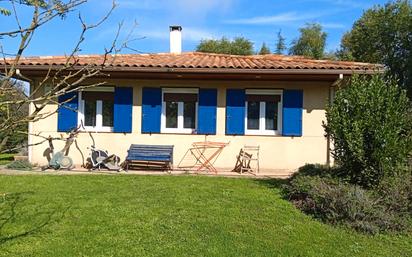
[4, 171]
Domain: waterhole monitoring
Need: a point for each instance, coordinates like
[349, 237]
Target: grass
[168, 216]
[6, 158]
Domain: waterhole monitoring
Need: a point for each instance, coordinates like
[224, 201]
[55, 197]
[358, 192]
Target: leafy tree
[344, 53]
[238, 46]
[311, 43]
[383, 35]
[19, 137]
[370, 123]
[264, 49]
[280, 43]
[5, 12]
[331, 55]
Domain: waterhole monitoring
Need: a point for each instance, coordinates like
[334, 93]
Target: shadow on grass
[274, 183]
[14, 215]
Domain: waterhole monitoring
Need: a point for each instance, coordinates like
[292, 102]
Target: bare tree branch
[47, 15]
[67, 78]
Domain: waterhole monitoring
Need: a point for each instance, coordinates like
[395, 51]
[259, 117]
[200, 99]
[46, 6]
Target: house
[276, 102]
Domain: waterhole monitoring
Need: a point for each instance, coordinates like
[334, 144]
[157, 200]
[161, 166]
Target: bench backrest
[150, 153]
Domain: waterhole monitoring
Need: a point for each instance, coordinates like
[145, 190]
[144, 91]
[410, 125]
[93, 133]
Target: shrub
[313, 170]
[20, 165]
[339, 203]
[370, 124]
[6, 158]
[320, 170]
[395, 194]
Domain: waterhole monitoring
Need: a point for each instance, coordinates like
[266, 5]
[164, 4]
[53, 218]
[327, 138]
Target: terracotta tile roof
[193, 60]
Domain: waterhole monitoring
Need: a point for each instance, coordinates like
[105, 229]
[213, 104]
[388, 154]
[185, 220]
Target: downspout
[331, 98]
[21, 76]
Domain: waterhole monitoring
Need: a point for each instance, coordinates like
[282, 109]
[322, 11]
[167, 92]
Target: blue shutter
[67, 112]
[292, 112]
[151, 110]
[235, 111]
[122, 111]
[206, 124]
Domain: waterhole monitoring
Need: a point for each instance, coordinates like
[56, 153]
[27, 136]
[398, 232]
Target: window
[263, 112]
[179, 108]
[96, 109]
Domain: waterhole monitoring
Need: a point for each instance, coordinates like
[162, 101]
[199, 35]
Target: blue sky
[257, 20]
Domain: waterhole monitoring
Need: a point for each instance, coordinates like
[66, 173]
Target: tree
[238, 46]
[370, 123]
[264, 49]
[331, 55]
[311, 42]
[345, 53]
[14, 140]
[280, 43]
[64, 80]
[383, 35]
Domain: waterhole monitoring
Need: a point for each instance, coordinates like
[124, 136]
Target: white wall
[277, 152]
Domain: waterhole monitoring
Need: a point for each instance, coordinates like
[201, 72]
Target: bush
[313, 170]
[20, 165]
[370, 124]
[395, 194]
[339, 203]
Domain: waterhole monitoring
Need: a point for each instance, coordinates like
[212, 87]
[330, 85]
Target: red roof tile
[190, 60]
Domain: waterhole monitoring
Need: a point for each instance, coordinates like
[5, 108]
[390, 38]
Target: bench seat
[159, 157]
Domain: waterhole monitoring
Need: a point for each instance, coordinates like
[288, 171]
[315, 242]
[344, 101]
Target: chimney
[175, 39]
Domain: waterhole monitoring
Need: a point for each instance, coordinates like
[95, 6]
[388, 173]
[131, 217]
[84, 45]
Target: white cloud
[288, 18]
[281, 18]
[333, 25]
[194, 34]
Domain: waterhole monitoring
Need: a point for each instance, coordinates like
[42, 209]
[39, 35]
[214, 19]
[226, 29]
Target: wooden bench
[149, 157]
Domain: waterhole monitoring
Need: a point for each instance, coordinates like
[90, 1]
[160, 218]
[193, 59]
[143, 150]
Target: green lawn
[168, 216]
[6, 158]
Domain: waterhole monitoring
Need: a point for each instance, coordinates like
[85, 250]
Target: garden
[359, 207]
[370, 187]
[123, 215]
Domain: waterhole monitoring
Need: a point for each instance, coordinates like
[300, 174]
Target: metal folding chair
[205, 155]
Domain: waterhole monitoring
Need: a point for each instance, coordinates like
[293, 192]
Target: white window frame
[180, 108]
[262, 115]
[99, 111]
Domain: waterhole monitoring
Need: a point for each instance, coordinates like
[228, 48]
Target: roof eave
[45, 68]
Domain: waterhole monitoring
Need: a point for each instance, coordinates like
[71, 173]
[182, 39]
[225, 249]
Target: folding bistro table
[206, 154]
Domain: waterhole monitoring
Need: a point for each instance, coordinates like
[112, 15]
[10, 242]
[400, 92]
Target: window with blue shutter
[292, 112]
[151, 110]
[122, 110]
[235, 111]
[207, 109]
[67, 112]
[263, 112]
